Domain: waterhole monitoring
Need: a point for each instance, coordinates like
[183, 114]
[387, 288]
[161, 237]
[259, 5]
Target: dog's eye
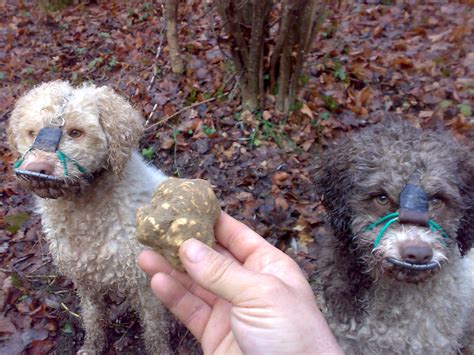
[75, 133]
[436, 202]
[32, 133]
[382, 199]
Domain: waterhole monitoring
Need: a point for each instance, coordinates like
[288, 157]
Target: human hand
[245, 296]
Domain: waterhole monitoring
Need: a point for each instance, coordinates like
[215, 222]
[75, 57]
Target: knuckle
[194, 314]
[218, 269]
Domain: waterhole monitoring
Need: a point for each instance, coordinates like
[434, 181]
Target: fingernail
[195, 251]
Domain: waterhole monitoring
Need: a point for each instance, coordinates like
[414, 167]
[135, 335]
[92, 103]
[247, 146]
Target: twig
[175, 162]
[45, 262]
[71, 312]
[228, 93]
[33, 277]
[60, 292]
[183, 338]
[126, 332]
[151, 113]
[155, 67]
[162, 36]
[181, 111]
[23, 258]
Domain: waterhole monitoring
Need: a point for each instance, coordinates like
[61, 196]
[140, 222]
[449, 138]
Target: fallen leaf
[6, 326]
[280, 177]
[426, 114]
[307, 111]
[282, 203]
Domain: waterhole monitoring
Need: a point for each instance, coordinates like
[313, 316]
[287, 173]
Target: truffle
[180, 209]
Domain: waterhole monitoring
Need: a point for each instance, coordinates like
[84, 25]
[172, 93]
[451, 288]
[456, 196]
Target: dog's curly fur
[372, 305]
[90, 225]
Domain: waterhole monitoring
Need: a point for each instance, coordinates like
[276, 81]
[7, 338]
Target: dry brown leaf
[249, 118]
[459, 33]
[301, 224]
[403, 62]
[166, 142]
[426, 114]
[280, 177]
[266, 115]
[282, 203]
[307, 144]
[307, 111]
[244, 196]
[364, 96]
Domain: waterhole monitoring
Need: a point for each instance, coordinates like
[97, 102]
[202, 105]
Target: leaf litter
[412, 58]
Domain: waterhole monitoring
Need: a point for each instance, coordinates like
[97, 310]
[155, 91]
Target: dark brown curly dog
[397, 276]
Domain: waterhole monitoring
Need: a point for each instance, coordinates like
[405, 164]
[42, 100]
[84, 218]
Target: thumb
[221, 275]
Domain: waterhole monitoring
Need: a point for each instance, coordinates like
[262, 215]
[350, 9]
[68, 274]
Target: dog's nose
[416, 253]
[42, 167]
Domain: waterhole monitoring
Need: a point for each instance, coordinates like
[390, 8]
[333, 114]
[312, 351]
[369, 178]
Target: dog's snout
[416, 253]
[42, 167]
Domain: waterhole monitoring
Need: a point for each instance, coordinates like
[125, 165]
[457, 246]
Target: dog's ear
[333, 181]
[11, 139]
[465, 237]
[123, 126]
[14, 122]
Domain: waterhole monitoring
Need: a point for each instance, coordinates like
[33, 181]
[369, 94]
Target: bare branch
[167, 118]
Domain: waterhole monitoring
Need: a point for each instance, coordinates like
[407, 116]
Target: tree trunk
[171, 15]
[297, 39]
[246, 23]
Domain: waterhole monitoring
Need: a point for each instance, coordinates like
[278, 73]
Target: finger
[244, 243]
[239, 239]
[219, 321]
[221, 250]
[213, 271]
[153, 263]
[192, 311]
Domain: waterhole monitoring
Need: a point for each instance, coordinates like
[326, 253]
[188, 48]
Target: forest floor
[411, 58]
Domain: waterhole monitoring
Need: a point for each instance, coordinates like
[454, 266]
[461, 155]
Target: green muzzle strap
[63, 158]
[387, 220]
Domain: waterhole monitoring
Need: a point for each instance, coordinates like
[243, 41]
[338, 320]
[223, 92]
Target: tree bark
[260, 10]
[304, 37]
[297, 40]
[246, 22]
[171, 15]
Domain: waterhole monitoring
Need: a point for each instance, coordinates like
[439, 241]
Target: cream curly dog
[396, 277]
[77, 149]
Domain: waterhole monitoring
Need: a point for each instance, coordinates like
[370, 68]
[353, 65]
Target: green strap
[21, 159]
[63, 158]
[381, 220]
[392, 218]
[435, 227]
[18, 163]
[382, 231]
